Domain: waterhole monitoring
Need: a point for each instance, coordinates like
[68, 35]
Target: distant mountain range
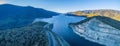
[12, 16]
[114, 14]
[99, 29]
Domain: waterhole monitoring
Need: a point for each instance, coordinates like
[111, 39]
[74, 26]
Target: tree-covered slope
[36, 34]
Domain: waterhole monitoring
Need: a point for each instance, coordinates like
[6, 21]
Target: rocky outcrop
[99, 29]
[36, 34]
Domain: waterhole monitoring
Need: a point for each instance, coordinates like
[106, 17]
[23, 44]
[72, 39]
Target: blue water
[62, 28]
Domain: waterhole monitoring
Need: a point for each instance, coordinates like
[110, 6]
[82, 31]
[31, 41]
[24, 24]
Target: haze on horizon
[64, 6]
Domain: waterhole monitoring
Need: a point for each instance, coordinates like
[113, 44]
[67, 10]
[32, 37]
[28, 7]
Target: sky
[63, 6]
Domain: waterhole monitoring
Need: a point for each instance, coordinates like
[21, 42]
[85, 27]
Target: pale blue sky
[67, 5]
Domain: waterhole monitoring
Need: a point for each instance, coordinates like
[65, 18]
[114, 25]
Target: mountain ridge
[114, 14]
[13, 16]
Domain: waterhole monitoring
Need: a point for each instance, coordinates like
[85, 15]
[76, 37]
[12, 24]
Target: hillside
[99, 29]
[114, 14]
